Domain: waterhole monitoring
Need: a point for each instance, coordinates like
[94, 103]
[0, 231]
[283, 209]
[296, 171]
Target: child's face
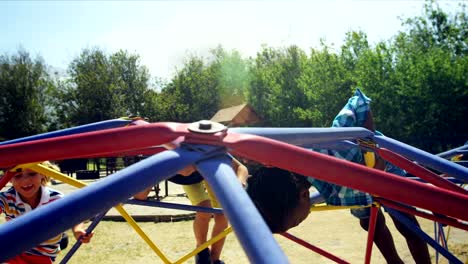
[27, 183]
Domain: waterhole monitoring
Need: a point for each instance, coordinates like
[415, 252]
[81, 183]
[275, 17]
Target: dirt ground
[334, 231]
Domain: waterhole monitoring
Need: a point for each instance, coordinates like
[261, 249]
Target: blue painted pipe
[119, 122]
[251, 230]
[306, 136]
[424, 158]
[175, 206]
[45, 222]
[334, 145]
[78, 243]
[411, 226]
[453, 152]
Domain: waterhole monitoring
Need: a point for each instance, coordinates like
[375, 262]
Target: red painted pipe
[419, 171]
[314, 248]
[97, 143]
[413, 211]
[342, 172]
[263, 150]
[370, 233]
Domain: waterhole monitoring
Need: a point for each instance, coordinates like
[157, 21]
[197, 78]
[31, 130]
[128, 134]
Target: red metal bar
[418, 170]
[314, 248]
[263, 150]
[342, 172]
[97, 143]
[441, 219]
[370, 233]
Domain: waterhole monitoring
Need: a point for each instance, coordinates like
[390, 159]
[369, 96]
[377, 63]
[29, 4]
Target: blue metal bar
[411, 226]
[74, 130]
[251, 230]
[28, 230]
[451, 179]
[453, 152]
[442, 234]
[463, 163]
[333, 145]
[424, 158]
[306, 136]
[175, 206]
[78, 243]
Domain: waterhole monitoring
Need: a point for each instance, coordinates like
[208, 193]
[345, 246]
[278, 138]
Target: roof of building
[236, 115]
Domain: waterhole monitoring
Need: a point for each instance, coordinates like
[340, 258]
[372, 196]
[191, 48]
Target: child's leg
[201, 224]
[197, 196]
[220, 223]
[383, 239]
[416, 245]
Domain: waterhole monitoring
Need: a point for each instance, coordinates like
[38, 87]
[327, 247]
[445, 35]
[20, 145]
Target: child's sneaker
[203, 257]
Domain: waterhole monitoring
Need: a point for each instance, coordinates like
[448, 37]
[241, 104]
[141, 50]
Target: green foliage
[438, 29]
[232, 73]
[192, 94]
[103, 87]
[417, 81]
[430, 79]
[277, 90]
[25, 89]
[288, 88]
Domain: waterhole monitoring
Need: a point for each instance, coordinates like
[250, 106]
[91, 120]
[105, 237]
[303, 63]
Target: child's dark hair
[275, 192]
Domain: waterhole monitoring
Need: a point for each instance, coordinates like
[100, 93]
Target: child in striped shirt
[29, 190]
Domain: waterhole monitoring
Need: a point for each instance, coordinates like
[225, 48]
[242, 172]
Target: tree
[131, 80]
[192, 94]
[431, 66]
[289, 89]
[25, 89]
[232, 73]
[103, 87]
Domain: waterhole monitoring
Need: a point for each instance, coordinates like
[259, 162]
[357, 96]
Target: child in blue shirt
[283, 197]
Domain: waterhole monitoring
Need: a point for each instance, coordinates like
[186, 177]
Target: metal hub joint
[206, 127]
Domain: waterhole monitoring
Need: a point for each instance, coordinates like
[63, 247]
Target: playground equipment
[206, 144]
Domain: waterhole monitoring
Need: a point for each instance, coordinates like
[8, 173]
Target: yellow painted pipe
[204, 245]
[324, 207]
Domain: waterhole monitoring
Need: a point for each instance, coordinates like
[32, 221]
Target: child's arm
[187, 170]
[241, 171]
[80, 233]
[143, 194]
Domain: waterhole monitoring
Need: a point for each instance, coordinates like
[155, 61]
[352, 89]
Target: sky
[163, 33]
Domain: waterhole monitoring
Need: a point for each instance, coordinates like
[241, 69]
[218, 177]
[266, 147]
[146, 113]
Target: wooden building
[239, 115]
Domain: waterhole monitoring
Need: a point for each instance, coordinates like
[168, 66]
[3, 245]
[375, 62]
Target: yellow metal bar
[57, 175]
[140, 232]
[325, 207]
[448, 234]
[79, 184]
[23, 166]
[205, 245]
